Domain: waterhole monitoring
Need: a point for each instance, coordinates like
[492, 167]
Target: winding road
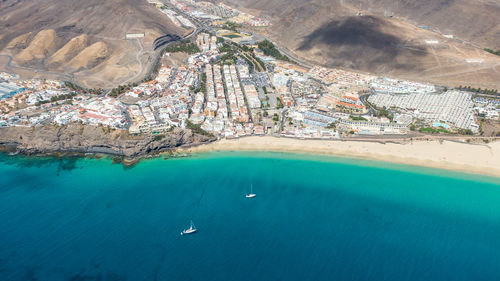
[138, 58]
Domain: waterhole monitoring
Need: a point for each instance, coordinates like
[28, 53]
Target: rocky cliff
[92, 139]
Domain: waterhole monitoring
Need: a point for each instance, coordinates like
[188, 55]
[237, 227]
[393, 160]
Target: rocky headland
[78, 138]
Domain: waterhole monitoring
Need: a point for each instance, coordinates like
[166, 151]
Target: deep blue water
[314, 218]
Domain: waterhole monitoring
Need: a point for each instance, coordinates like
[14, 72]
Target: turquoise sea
[314, 218]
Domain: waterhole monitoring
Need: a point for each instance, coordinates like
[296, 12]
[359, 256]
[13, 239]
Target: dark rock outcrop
[94, 139]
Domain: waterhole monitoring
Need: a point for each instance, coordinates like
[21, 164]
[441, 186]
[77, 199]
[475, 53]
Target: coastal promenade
[442, 154]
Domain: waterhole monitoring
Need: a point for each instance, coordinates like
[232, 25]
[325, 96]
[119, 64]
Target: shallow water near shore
[314, 218]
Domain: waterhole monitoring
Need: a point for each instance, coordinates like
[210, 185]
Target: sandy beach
[464, 157]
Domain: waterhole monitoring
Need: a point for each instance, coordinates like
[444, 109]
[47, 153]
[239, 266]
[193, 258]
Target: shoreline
[445, 155]
[451, 154]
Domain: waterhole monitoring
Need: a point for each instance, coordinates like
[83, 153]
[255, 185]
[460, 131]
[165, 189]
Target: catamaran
[192, 229]
[251, 194]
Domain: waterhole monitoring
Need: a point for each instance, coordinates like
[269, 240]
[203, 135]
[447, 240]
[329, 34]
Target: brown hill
[71, 49]
[20, 41]
[383, 37]
[105, 21]
[43, 44]
[472, 20]
[89, 57]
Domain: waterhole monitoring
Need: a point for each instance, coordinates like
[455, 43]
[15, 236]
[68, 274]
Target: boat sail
[192, 229]
[251, 194]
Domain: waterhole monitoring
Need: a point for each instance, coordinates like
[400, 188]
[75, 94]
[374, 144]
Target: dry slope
[51, 34]
[382, 36]
[71, 49]
[43, 44]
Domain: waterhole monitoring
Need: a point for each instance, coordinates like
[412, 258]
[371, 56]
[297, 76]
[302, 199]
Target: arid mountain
[390, 36]
[84, 40]
[472, 20]
[69, 50]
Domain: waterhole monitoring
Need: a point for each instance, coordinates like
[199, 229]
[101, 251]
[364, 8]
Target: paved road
[198, 28]
[364, 99]
[286, 52]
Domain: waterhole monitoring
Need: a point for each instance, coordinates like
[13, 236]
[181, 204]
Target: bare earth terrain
[83, 41]
[384, 37]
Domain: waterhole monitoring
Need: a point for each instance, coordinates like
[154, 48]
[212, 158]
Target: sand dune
[70, 50]
[480, 159]
[40, 47]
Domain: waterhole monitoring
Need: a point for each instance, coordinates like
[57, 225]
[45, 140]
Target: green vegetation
[58, 98]
[276, 117]
[358, 118]
[384, 112]
[246, 48]
[232, 26]
[332, 126]
[80, 89]
[270, 50]
[250, 64]
[184, 46]
[229, 56]
[226, 48]
[62, 97]
[479, 90]
[226, 59]
[197, 129]
[434, 130]
[279, 104]
[262, 64]
[121, 89]
[497, 52]
[73, 87]
[202, 87]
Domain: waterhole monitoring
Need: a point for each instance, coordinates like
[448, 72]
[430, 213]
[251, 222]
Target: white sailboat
[192, 229]
[251, 194]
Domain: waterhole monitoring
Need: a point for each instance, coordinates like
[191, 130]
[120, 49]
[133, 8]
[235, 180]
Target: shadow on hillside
[359, 42]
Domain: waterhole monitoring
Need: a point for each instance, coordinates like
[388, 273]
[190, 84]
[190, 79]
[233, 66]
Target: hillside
[71, 49]
[44, 43]
[57, 36]
[383, 36]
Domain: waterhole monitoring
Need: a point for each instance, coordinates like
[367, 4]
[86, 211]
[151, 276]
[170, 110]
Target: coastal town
[249, 140]
[231, 85]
